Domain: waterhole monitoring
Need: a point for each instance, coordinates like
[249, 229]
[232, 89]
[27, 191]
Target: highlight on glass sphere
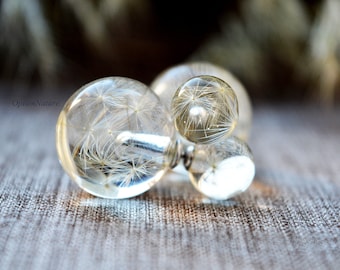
[205, 109]
[222, 170]
[114, 138]
[166, 84]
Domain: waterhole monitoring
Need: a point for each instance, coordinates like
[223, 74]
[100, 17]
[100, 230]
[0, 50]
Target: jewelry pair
[116, 137]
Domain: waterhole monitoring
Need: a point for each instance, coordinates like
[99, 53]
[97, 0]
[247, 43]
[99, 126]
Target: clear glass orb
[204, 109]
[166, 84]
[222, 170]
[114, 138]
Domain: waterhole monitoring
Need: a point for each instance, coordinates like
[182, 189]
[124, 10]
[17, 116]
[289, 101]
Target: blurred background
[280, 50]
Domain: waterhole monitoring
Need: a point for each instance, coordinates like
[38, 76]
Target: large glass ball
[166, 84]
[114, 138]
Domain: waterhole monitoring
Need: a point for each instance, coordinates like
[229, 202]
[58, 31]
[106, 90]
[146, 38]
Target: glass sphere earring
[115, 139]
[206, 111]
[169, 81]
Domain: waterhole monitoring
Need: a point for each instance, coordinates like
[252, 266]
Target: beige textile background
[287, 219]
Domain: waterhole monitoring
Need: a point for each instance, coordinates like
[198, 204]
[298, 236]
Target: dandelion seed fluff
[87, 131]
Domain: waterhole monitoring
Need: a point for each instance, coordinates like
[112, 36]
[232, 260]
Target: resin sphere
[166, 84]
[114, 138]
[204, 109]
[222, 170]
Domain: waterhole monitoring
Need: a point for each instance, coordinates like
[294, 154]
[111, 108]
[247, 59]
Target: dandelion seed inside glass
[205, 109]
[114, 138]
[168, 81]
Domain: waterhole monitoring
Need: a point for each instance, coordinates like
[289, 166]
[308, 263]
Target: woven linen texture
[287, 219]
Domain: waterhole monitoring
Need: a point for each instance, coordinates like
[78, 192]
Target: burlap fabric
[287, 219]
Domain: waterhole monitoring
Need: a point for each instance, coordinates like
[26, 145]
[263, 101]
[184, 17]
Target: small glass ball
[222, 170]
[204, 109]
[114, 138]
[167, 82]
